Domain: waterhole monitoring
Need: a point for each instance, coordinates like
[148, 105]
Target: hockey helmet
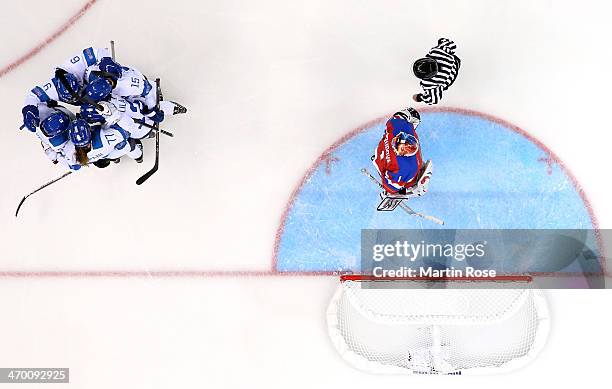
[63, 93]
[110, 68]
[425, 68]
[80, 133]
[91, 114]
[405, 139]
[98, 89]
[55, 124]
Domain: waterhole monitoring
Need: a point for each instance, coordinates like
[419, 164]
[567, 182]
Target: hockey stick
[41, 188]
[112, 44]
[405, 207]
[60, 74]
[168, 133]
[148, 174]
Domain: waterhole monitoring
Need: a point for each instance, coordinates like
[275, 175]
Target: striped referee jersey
[448, 68]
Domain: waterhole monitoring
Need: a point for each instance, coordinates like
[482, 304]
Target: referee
[437, 71]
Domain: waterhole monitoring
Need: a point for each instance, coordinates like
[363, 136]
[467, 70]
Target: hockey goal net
[436, 331]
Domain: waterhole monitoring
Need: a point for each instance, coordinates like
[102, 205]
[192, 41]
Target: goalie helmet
[80, 133]
[408, 140]
[425, 68]
[55, 124]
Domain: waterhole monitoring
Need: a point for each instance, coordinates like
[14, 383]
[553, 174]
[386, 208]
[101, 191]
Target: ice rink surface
[176, 283]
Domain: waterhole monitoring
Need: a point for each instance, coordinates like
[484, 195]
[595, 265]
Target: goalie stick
[39, 189]
[148, 174]
[399, 201]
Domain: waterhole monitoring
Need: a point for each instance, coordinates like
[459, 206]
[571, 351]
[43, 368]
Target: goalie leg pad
[423, 183]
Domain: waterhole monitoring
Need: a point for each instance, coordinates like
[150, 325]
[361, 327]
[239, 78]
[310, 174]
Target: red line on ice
[154, 274]
[49, 40]
[273, 272]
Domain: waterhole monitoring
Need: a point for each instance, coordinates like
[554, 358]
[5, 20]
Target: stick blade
[19, 206]
[436, 220]
[146, 176]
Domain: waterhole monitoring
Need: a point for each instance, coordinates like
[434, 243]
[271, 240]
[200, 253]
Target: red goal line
[502, 278]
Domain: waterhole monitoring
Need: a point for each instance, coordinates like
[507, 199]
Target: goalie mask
[405, 145]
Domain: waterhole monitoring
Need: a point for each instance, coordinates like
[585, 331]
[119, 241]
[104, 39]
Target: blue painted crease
[485, 176]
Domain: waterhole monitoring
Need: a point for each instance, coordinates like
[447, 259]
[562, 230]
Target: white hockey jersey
[77, 64]
[43, 93]
[132, 86]
[107, 142]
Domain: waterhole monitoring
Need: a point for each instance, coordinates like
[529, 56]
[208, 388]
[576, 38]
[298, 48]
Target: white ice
[270, 85]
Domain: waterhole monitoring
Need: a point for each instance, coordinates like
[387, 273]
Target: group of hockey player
[116, 106]
[94, 110]
[398, 159]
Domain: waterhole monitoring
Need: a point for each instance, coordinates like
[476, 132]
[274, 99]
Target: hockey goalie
[399, 162]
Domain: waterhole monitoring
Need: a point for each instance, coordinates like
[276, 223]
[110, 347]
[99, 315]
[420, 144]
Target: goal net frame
[387, 329]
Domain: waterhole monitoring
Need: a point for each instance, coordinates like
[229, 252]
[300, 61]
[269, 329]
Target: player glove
[156, 115]
[30, 117]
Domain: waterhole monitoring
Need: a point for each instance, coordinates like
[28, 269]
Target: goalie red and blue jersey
[398, 171]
